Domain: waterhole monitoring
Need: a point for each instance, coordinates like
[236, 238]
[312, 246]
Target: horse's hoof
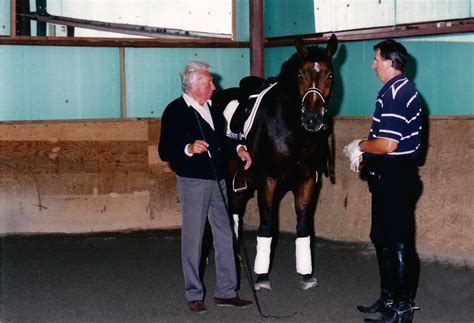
[263, 282]
[263, 285]
[308, 282]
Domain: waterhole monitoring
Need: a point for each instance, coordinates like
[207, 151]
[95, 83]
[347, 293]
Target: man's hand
[245, 156]
[198, 147]
[354, 154]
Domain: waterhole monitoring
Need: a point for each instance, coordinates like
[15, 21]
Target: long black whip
[244, 260]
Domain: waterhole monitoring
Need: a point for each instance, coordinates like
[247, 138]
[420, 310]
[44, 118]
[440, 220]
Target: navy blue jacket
[179, 127]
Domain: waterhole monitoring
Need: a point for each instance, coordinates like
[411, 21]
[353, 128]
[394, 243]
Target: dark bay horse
[289, 145]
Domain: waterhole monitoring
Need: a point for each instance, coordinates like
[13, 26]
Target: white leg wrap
[262, 259]
[236, 224]
[303, 256]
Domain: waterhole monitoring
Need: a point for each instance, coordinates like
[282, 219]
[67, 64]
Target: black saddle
[247, 86]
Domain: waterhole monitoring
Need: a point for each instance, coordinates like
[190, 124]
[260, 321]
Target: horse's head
[315, 80]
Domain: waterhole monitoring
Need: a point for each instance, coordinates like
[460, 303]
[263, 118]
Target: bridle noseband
[323, 108]
[318, 92]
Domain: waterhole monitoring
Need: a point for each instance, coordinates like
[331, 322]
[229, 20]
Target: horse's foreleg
[265, 233]
[303, 202]
[266, 192]
[303, 207]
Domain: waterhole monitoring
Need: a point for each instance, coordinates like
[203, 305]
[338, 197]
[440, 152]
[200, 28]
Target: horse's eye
[300, 76]
[331, 76]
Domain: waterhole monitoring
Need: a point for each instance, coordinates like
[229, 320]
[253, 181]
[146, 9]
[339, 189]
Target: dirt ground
[136, 277]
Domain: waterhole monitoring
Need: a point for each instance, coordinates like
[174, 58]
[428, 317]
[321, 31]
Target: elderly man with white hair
[193, 141]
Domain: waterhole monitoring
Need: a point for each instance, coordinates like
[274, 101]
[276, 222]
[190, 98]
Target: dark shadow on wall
[217, 79]
[410, 72]
[334, 107]
[337, 92]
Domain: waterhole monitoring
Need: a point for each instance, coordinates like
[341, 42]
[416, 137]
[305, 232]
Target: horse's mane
[289, 69]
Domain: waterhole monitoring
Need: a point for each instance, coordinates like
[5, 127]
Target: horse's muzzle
[312, 121]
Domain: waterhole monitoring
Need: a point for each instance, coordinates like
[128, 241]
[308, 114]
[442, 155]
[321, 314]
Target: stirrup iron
[239, 183]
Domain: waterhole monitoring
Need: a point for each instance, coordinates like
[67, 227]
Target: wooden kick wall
[105, 175]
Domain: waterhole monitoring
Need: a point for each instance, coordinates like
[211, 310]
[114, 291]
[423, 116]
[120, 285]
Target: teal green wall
[281, 18]
[242, 20]
[152, 74]
[41, 82]
[288, 17]
[442, 68]
[49, 82]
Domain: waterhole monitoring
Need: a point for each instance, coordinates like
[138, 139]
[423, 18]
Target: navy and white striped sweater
[398, 116]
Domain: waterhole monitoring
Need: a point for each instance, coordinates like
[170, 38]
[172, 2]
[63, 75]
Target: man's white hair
[192, 73]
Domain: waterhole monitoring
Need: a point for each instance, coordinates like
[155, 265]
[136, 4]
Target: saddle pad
[228, 113]
[232, 106]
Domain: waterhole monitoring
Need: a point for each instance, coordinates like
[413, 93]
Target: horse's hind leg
[303, 207]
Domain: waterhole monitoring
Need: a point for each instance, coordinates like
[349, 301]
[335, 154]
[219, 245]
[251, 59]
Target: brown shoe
[234, 302]
[197, 307]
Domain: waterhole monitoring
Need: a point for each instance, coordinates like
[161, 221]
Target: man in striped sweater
[390, 165]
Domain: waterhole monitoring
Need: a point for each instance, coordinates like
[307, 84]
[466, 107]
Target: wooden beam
[234, 20]
[13, 18]
[130, 29]
[121, 42]
[256, 38]
[441, 27]
[123, 95]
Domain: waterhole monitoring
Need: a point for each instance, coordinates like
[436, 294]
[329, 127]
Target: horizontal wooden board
[72, 156]
[87, 130]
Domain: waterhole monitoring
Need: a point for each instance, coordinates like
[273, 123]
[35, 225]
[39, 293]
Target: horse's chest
[286, 150]
[289, 157]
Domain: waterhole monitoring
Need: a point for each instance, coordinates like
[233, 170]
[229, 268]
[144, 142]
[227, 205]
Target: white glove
[354, 154]
[355, 164]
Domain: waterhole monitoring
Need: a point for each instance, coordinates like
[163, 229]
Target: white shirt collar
[202, 110]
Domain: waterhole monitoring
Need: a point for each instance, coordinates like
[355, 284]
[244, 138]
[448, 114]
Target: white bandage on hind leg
[303, 256]
[262, 259]
[236, 224]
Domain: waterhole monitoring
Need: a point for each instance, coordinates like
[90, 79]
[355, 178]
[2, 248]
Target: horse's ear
[332, 45]
[300, 48]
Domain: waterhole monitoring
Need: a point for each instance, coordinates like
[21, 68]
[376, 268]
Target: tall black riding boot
[403, 254]
[386, 271]
[402, 310]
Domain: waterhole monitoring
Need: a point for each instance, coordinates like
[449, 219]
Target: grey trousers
[200, 200]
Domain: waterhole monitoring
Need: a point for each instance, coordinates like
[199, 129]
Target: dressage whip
[244, 260]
